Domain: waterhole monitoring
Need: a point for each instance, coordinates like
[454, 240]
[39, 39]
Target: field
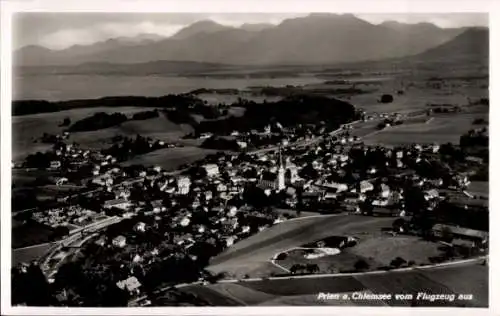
[30, 253]
[26, 129]
[377, 249]
[252, 255]
[303, 291]
[28, 234]
[479, 188]
[441, 129]
[171, 158]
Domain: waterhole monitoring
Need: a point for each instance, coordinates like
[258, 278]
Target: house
[338, 187]
[122, 193]
[183, 185]
[131, 285]
[60, 181]
[385, 191]
[140, 227]
[241, 144]
[120, 203]
[211, 169]
[119, 241]
[55, 164]
[431, 194]
[365, 186]
[474, 160]
[221, 187]
[380, 202]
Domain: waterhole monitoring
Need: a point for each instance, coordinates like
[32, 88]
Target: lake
[69, 87]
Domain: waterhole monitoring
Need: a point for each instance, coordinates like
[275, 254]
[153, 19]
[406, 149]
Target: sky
[62, 30]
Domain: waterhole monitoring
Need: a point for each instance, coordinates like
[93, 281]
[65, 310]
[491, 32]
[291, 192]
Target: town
[148, 221]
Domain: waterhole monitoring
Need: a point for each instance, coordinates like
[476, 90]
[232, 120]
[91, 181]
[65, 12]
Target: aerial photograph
[250, 159]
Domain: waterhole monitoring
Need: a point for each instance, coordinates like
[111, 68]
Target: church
[286, 174]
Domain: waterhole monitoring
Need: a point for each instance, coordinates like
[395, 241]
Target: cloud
[85, 36]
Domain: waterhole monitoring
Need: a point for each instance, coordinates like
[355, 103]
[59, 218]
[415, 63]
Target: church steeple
[280, 158]
[281, 172]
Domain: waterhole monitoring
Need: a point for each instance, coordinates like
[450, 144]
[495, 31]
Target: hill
[200, 27]
[470, 46]
[311, 40]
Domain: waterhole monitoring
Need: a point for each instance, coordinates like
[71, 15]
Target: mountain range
[312, 40]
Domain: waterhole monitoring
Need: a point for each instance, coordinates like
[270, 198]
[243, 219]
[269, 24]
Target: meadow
[170, 158]
[443, 128]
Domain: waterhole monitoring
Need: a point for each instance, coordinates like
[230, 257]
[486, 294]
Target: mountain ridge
[313, 39]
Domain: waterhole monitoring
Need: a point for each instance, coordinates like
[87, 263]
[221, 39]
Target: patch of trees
[361, 265]
[475, 138]
[145, 115]
[479, 121]
[386, 98]
[218, 91]
[447, 212]
[288, 112]
[65, 122]
[30, 287]
[130, 147]
[99, 120]
[304, 268]
[25, 107]
[39, 160]
[397, 262]
[220, 143]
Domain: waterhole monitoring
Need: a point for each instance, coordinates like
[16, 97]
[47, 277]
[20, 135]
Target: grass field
[469, 278]
[377, 249]
[383, 249]
[170, 158]
[247, 256]
[28, 234]
[479, 188]
[441, 129]
[26, 129]
[30, 253]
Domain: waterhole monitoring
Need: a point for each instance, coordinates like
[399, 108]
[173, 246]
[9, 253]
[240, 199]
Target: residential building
[183, 185]
[131, 284]
[120, 203]
[119, 241]
[211, 170]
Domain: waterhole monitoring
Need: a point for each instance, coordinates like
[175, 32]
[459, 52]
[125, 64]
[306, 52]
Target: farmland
[170, 158]
[30, 253]
[376, 249]
[441, 129]
[247, 255]
[29, 128]
[304, 290]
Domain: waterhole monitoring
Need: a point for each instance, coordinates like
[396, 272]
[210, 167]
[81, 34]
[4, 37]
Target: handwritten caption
[420, 296]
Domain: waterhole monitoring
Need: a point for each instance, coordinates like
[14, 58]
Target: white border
[232, 6]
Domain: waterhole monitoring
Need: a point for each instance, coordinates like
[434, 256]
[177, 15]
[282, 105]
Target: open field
[377, 249]
[27, 128]
[31, 253]
[479, 188]
[453, 279]
[384, 249]
[159, 128]
[171, 158]
[246, 255]
[441, 129]
[28, 234]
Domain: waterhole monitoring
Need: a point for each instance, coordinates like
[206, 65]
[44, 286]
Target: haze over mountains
[312, 40]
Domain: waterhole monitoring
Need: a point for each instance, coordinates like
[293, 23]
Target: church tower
[281, 173]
